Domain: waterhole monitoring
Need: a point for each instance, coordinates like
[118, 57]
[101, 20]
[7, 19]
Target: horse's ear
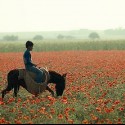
[64, 75]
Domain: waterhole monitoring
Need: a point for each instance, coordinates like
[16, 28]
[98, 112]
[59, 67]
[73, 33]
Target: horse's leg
[50, 90]
[9, 86]
[16, 89]
[6, 90]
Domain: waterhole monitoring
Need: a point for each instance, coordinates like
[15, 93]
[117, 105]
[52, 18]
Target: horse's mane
[54, 73]
[55, 76]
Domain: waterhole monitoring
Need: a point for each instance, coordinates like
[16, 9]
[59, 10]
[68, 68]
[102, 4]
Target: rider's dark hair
[29, 43]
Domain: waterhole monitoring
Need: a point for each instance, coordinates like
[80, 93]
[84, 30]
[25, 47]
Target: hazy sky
[48, 15]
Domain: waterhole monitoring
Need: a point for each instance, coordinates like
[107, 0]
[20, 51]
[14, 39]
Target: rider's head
[29, 45]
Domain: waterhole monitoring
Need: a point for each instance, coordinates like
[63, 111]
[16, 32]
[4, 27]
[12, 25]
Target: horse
[14, 83]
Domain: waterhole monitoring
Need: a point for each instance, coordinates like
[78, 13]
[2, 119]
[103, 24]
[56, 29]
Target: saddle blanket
[31, 85]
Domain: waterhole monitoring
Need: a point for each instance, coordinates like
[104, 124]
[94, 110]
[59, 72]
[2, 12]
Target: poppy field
[94, 93]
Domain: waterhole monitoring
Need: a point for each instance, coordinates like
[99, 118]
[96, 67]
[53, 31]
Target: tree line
[92, 36]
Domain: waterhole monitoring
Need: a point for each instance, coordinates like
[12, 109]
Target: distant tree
[38, 37]
[94, 36]
[117, 31]
[60, 36]
[69, 37]
[10, 38]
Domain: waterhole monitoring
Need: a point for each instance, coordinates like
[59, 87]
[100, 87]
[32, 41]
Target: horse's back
[12, 75]
[13, 72]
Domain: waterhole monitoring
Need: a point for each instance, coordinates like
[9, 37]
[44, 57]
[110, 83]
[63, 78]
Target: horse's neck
[54, 77]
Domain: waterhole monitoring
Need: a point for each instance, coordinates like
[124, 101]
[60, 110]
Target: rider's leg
[38, 73]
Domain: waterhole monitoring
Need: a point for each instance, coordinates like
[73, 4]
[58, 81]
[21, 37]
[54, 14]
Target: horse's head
[60, 87]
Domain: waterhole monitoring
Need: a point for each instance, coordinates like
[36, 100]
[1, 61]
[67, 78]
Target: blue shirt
[27, 59]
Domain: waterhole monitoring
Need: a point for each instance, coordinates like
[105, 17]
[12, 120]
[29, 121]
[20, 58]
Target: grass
[60, 45]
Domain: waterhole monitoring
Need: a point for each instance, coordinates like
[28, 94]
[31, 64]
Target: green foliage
[62, 45]
[10, 38]
[94, 36]
[60, 36]
[38, 37]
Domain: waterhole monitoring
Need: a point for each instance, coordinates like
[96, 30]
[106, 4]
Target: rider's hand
[35, 65]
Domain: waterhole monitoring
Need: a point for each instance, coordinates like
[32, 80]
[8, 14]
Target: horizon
[67, 30]
[61, 15]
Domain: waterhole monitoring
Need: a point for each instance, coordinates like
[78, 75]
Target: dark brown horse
[15, 83]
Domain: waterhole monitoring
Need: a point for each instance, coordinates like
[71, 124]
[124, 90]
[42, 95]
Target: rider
[28, 62]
